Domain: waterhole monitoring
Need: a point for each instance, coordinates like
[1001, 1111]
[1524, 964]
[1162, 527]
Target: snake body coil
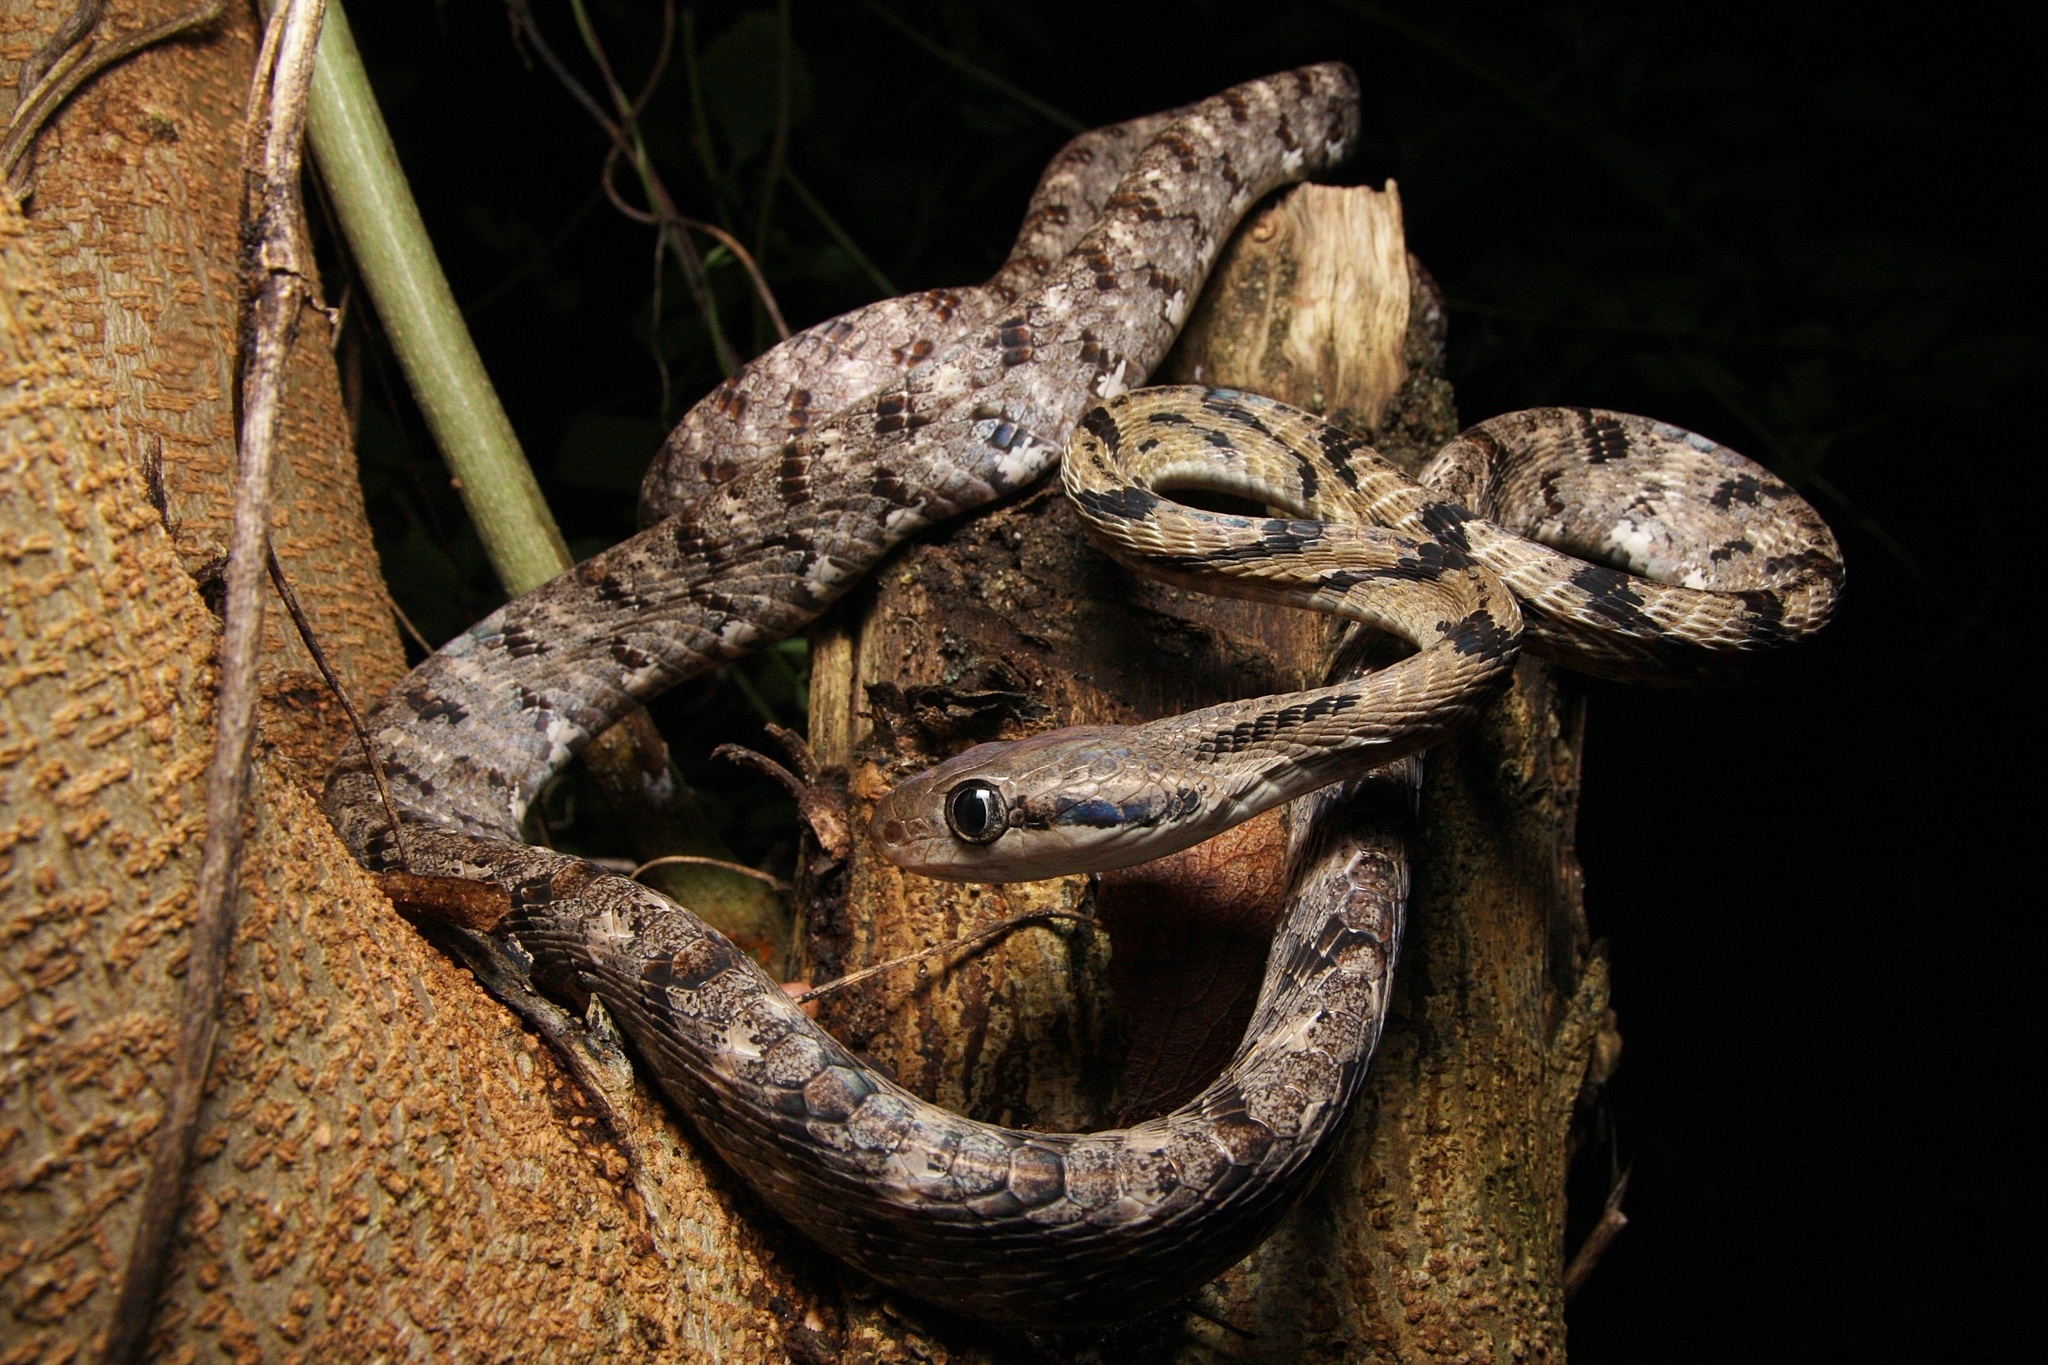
[778, 498]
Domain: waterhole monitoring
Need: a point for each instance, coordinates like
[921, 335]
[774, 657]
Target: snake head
[1082, 799]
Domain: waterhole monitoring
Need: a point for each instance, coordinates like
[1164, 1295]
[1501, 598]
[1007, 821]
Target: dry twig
[622, 126]
[1612, 1221]
[768, 879]
[973, 940]
[70, 36]
[355, 717]
[77, 61]
[280, 290]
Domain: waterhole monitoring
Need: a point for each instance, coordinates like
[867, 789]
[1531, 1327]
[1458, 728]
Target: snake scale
[792, 479]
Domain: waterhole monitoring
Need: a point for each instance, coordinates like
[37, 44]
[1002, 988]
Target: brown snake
[793, 479]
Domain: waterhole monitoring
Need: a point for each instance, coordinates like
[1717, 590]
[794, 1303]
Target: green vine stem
[396, 260]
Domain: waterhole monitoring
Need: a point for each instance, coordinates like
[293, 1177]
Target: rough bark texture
[1438, 1232]
[137, 205]
[389, 1165]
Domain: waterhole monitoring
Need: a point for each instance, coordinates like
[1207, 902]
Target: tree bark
[137, 192]
[1439, 1229]
[390, 1163]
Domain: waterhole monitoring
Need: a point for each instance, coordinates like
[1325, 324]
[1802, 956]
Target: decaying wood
[1439, 1228]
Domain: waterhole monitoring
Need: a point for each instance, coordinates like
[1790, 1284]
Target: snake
[1608, 542]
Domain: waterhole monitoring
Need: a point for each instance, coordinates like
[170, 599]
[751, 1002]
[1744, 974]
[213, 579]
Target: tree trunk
[389, 1163]
[1439, 1229]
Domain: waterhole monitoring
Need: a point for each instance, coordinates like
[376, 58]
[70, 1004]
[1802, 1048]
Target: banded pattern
[820, 370]
[1003, 1224]
[1747, 565]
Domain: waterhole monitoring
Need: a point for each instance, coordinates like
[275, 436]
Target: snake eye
[975, 811]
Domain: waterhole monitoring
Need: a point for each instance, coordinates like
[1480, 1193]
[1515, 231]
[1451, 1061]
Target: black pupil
[975, 811]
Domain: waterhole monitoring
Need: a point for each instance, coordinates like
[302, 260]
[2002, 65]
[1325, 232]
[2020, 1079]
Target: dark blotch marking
[796, 418]
[793, 476]
[1286, 537]
[1143, 207]
[1305, 469]
[1804, 562]
[692, 543]
[1183, 150]
[1338, 445]
[1479, 636]
[1091, 812]
[728, 401]
[1128, 503]
[611, 591]
[1277, 537]
[1721, 554]
[1746, 489]
[1431, 560]
[630, 658]
[1766, 612]
[1097, 260]
[1099, 424]
[1612, 594]
[891, 413]
[1606, 439]
[522, 644]
[427, 705]
[1223, 402]
[890, 489]
[1143, 813]
[1446, 522]
[913, 354]
[1270, 724]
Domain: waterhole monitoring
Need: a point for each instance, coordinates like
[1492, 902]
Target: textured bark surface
[137, 204]
[1439, 1230]
[389, 1164]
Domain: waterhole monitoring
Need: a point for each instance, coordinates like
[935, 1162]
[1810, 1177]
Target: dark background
[1811, 233]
